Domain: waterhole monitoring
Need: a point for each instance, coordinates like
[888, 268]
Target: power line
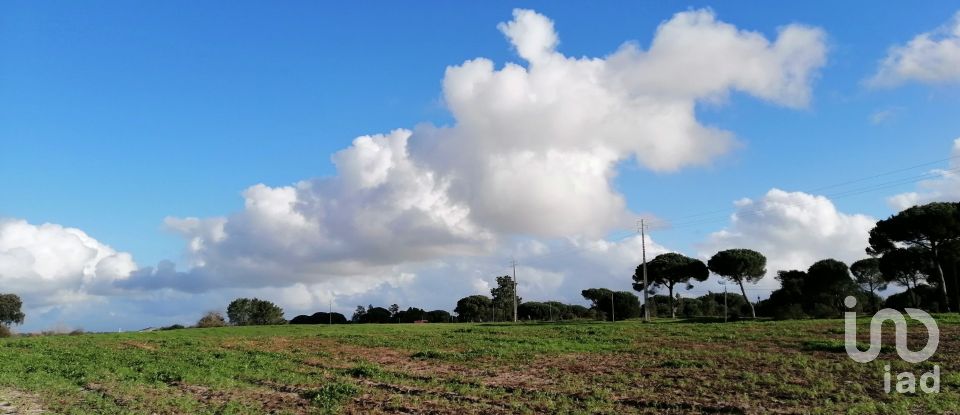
[916, 166]
[833, 196]
[623, 234]
[720, 215]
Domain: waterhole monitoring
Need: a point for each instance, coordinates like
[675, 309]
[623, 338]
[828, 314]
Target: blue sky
[115, 116]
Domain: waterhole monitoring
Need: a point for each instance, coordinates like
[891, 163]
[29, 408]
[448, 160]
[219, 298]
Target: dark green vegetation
[320, 318]
[668, 270]
[626, 367]
[254, 312]
[739, 266]
[925, 239]
[612, 305]
[10, 313]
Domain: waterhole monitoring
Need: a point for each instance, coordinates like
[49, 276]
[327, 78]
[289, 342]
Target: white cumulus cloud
[50, 264]
[532, 153]
[930, 58]
[793, 230]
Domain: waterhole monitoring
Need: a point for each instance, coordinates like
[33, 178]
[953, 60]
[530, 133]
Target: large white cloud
[931, 58]
[945, 187]
[793, 230]
[533, 152]
[535, 147]
[50, 264]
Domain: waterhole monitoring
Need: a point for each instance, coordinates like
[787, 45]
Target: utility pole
[643, 245]
[330, 313]
[724, 303]
[613, 311]
[514, 263]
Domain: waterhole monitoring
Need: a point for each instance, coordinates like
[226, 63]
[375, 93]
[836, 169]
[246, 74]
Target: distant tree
[473, 308]
[533, 310]
[254, 312]
[668, 270]
[240, 311]
[320, 318]
[336, 318]
[358, 314]
[438, 316]
[866, 272]
[690, 307]
[927, 295]
[175, 327]
[394, 309]
[740, 265]
[302, 319]
[10, 314]
[596, 296]
[907, 267]
[211, 319]
[580, 312]
[788, 301]
[828, 283]
[561, 311]
[625, 305]
[660, 305]
[378, 315]
[503, 296]
[712, 305]
[930, 228]
[411, 314]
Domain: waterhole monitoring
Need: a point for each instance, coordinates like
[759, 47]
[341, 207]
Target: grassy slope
[748, 367]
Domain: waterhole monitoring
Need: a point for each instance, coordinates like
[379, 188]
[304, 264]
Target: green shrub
[330, 396]
[365, 370]
[428, 354]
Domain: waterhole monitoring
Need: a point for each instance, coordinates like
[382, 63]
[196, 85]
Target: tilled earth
[13, 402]
[796, 367]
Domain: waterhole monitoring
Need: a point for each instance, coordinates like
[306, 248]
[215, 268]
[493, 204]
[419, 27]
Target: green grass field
[625, 367]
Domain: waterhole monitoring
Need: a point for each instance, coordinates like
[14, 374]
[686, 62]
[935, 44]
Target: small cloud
[882, 116]
[929, 58]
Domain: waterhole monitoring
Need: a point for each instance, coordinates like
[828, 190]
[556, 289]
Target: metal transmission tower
[643, 245]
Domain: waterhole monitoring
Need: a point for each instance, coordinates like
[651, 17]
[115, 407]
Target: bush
[320, 318]
[331, 395]
[173, 327]
[212, 319]
[922, 296]
[5, 331]
[254, 312]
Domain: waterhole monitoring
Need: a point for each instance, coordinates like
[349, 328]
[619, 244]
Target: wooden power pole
[514, 263]
[643, 245]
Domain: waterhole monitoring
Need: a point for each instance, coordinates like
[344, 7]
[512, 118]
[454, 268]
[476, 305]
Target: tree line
[917, 249]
